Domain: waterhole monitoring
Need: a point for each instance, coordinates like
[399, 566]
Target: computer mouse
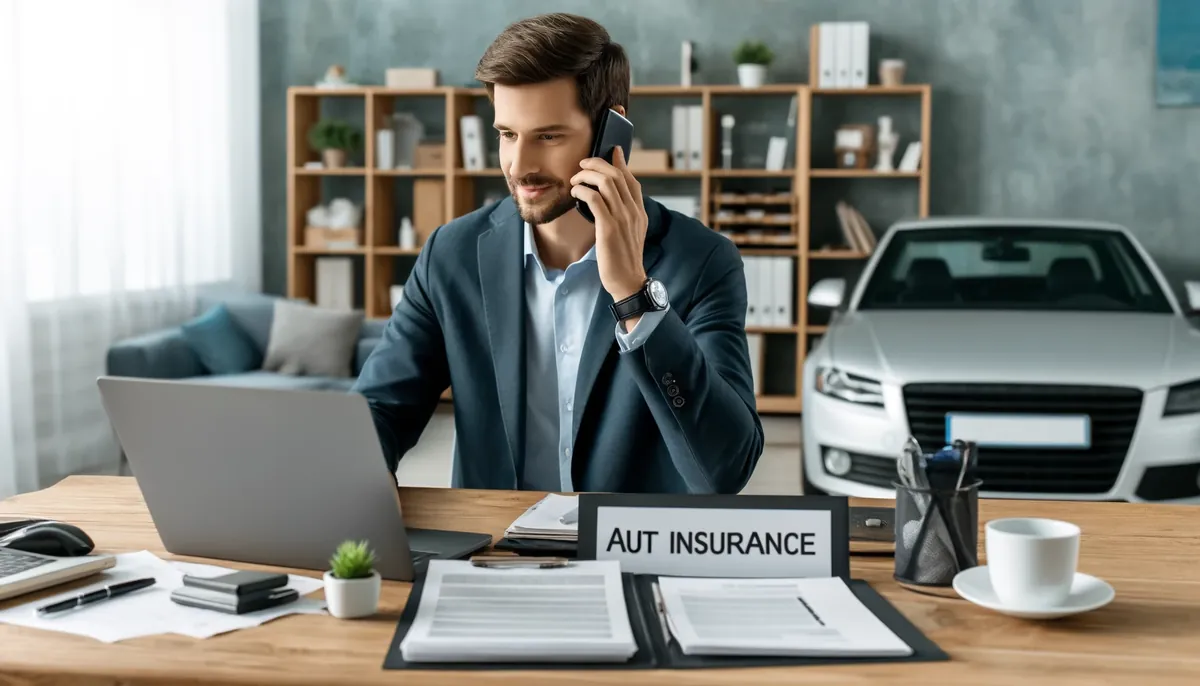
[48, 537]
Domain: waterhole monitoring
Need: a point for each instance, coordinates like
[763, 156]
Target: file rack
[381, 263]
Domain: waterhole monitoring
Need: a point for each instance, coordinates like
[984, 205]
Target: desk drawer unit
[1112, 412]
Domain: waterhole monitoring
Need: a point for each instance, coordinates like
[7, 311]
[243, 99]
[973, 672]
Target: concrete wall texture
[1040, 108]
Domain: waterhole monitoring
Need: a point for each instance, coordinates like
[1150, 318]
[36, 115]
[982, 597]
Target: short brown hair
[557, 45]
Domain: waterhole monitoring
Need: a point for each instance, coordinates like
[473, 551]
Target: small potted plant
[752, 58]
[335, 139]
[352, 583]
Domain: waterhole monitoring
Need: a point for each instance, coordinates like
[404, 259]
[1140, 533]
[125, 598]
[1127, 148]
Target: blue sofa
[166, 355]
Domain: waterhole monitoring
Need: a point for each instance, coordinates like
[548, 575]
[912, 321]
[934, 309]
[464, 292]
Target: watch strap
[636, 304]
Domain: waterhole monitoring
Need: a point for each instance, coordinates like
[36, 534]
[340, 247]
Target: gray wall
[1039, 108]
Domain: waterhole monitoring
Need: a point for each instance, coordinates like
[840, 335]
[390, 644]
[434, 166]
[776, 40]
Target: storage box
[646, 159]
[410, 77]
[324, 237]
[430, 156]
[429, 207]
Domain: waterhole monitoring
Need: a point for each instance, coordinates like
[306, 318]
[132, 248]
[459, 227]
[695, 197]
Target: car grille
[1113, 412]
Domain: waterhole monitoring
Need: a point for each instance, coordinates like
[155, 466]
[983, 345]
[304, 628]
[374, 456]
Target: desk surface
[1148, 634]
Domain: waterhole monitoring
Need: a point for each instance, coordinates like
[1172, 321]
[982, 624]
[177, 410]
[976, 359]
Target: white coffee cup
[1031, 561]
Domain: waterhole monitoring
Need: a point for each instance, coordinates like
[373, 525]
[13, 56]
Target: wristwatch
[651, 298]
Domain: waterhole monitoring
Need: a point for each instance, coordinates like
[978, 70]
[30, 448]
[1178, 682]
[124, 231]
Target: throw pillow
[312, 341]
[222, 346]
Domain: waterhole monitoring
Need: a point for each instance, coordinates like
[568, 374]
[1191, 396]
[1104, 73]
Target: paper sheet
[468, 614]
[150, 610]
[543, 519]
[804, 617]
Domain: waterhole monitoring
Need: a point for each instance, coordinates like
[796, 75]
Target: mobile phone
[233, 604]
[238, 583]
[611, 130]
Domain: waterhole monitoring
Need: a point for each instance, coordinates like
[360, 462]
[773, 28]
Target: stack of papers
[150, 610]
[575, 613]
[553, 518]
[818, 617]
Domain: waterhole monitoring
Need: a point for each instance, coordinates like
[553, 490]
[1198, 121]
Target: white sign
[705, 541]
[1020, 430]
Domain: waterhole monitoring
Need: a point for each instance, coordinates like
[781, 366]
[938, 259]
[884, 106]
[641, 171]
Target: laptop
[24, 572]
[268, 476]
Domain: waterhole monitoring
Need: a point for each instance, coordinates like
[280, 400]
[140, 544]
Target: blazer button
[672, 390]
[678, 401]
[668, 379]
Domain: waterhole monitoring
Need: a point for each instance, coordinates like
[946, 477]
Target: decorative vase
[334, 158]
[351, 598]
[752, 75]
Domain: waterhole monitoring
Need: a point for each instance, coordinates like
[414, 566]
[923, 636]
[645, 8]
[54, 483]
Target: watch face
[658, 294]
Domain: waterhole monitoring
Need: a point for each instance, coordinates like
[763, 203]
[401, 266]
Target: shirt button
[563, 348]
[568, 405]
[565, 291]
[567, 452]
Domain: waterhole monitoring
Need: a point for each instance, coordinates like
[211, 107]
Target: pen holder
[937, 533]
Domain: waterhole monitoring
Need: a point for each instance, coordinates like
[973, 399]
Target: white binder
[754, 342]
[695, 129]
[749, 265]
[679, 137]
[784, 293]
[827, 55]
[860, 50]
[766, 292]
[471, 129]
[843, 59]
[335, 283]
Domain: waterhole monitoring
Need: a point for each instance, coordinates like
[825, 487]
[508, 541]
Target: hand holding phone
[611, 130]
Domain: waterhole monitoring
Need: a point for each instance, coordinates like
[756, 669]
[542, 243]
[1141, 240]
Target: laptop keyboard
[15, 562]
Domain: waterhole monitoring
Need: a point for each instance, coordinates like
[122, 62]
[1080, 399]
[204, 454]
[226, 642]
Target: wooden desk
[1148, 635]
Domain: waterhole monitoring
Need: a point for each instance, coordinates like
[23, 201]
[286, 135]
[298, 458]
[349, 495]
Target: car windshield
[1027, 268]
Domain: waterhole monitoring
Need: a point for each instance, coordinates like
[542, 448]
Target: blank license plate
[1020, 430]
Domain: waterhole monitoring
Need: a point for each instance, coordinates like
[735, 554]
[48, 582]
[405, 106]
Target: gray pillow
[312, 341]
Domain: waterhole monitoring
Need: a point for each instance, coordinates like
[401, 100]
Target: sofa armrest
[365, 347]
[158, 355]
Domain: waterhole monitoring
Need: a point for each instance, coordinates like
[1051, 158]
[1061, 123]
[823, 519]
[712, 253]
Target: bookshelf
[379, 262]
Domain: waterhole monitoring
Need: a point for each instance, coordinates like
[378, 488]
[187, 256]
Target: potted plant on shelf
[352, 583]
[335, 139]
[752, 58]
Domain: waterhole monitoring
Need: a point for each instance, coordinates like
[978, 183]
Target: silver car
[1057, 346]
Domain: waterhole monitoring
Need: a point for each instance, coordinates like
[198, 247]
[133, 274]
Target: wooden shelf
[340, 171]
[837, 255]
[861, 174]
[462, 188]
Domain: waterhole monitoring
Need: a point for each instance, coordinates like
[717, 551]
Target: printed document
[554, 517]
[575, 613]
[818, 617]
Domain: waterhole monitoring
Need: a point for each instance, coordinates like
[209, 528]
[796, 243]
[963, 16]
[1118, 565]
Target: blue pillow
[222, 346]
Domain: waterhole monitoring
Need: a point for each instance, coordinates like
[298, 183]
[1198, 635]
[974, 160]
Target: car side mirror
[1193, 296]
[829, 293]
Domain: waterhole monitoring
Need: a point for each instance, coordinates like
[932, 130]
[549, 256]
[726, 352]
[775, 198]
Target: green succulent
[352, 560]
[334, 134]
[753, 52]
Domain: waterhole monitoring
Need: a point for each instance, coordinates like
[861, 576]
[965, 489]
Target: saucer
[1087, 593]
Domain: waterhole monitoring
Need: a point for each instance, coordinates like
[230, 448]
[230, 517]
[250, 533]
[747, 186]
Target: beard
[555, 201]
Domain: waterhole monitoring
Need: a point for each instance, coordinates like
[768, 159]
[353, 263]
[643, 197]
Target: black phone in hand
[611, 130]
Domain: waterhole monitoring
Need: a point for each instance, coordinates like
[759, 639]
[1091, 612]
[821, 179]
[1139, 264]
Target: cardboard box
[647, 159]
[429, 207]
[324, 237]
[430, 156]
[410, 77]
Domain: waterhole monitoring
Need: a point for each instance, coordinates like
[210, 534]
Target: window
[1013, 268]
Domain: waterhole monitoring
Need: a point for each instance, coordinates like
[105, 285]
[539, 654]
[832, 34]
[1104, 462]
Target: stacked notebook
[549, 527]
[589, 614]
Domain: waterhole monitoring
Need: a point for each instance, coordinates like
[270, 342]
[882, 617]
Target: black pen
[97, 595]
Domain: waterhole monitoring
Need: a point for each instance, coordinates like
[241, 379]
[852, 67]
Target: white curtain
[129, 180]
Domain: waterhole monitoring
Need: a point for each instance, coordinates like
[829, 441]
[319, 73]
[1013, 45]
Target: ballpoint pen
[96, 596]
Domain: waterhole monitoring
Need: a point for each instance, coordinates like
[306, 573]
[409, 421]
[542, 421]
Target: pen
[571, 516]
[501, 561]
[660, 608]
[96, 596]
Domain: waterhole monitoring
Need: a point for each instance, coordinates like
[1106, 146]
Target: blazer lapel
[501, 269]
[601, 337]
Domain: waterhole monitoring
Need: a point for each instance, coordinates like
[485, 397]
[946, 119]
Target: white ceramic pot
[350, 598]
[752, 75]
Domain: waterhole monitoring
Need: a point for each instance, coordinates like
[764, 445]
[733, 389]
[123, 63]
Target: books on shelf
[855, 230]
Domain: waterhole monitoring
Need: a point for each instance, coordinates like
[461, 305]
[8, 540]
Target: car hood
[1117, 348]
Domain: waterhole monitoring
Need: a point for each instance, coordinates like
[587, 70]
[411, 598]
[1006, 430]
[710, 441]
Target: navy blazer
[676, 415]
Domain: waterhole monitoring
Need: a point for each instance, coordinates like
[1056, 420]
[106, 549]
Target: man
[512, 305]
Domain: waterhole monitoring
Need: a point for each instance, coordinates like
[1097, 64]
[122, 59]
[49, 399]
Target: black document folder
[655, 651]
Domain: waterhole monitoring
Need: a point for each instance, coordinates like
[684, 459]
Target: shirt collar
[531, 247]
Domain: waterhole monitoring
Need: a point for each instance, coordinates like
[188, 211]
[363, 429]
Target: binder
[471, 130]
[679, 137]
[783, 290]
[750, 266]
[754, 345]
[842, 38]
[695, 131]
[827, 56]
[859, 53]
[656, 651]
[766, 292]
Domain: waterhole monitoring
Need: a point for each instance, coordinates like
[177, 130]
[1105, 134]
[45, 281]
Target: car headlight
[835, 383]
[1183, 399]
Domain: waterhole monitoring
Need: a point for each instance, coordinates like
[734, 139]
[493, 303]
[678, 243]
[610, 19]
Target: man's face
[543, 136]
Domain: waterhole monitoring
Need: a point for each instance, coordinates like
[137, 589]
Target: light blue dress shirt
[558, 311]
